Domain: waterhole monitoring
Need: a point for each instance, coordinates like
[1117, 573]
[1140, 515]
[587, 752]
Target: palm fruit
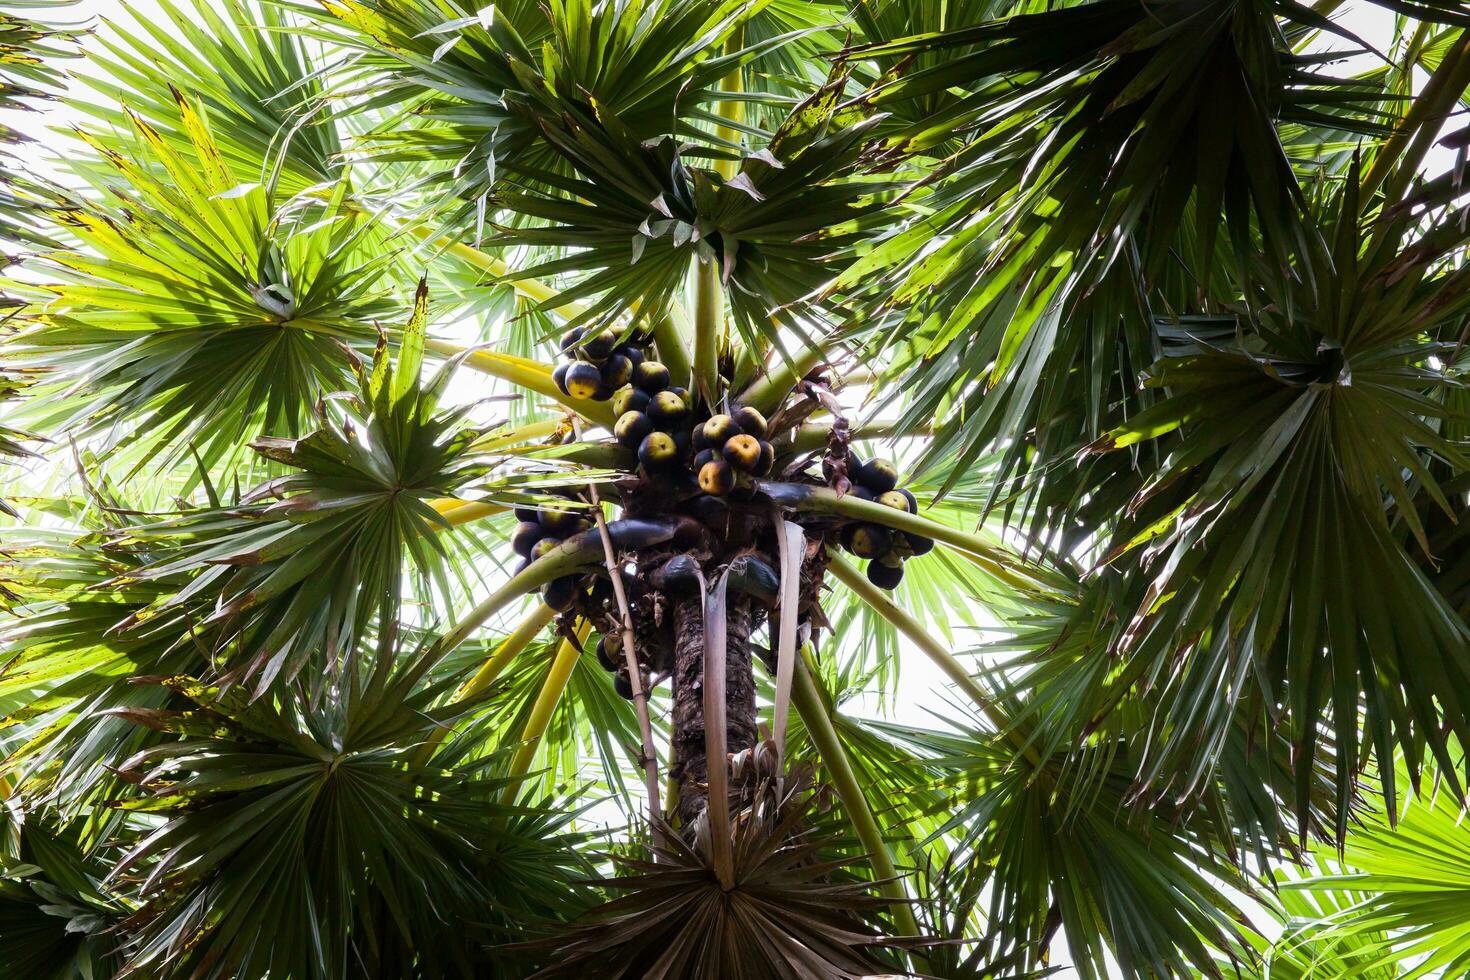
[718, 429]
[543, 547]
[743, 452]
[912, 500]
[667, 410]
[624, 687]
[632, 428]
[607, 648]
[559, 377]
[571, 339]
[860, 492]
[629, 400]
[751, 422]
[525, 536]
[878, 475]
[583, 380]
[918, 543]
[767, 461]
[562, 521]
[599, 345]
[682, 393]
[870, 540]
[885, 576]
[895, 499]
[617, 371]
[528, 515]
[901, 549]
[681, 441]
[633, 354]
[704, 456]
[651, 376]
[658, 451]
[716, 477]
[561, 593]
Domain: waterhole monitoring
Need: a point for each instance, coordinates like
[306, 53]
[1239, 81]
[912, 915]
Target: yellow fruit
[716, 477]
[743, 452]
[894, 499]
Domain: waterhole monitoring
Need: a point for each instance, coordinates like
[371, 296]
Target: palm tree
[460, 431]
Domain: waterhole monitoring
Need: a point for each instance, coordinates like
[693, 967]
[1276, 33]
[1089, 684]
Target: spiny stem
[844, 781]
[630, 654]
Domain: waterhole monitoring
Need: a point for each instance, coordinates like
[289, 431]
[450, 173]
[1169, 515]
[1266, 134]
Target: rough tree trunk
[689, 764]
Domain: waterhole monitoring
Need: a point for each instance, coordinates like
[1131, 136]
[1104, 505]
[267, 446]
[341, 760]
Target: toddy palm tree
[487, 451]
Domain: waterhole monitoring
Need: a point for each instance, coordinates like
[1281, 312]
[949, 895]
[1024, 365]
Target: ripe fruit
[895, 499]
[562, 521]
[667, 410]
[629, 400]
[658, 450]
[600, 345]
[885, 576]
[525, 536]
[559, 377]
[878, 475]
[718, 430]
[633, 354]
[913, 501]
[860, 492]
[543, 547]
[624, 687]
[528, 515]
[767, 461]
[572, 338]
[583, 379]
[704, 456]
[632, 428]
[605, 655]
[870, 540]
[743, 452]
[716, 477]
[561, 593]
[751, 422]
[617, 371]
[651, 376]
[919, 544]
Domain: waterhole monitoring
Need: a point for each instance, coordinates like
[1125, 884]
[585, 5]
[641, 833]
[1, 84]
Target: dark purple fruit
[743, 452]
[562, 521]
[543, 547]
[704, 456]
[599, 346]
[633, 354]
[617, 371]
[630, 400]
[525, 536]
[658, 451]
[559, 377]
[878, 475]
[751, 422]
[716, 477]
[605, 656]
[572, 338]
[870, 540]
[624, 687]
[651, 376]
[667, 410]
[632, 428]
[561, 593]
[918, 543]
[767, 461]
[718, 429]
[583, 380]
[885, 576]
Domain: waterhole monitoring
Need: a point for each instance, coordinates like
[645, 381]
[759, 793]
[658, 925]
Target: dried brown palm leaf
[791, 912]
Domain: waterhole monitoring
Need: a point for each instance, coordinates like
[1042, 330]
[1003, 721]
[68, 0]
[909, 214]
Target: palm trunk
[689, 765]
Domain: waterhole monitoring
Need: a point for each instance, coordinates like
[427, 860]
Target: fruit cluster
[610, 655]
[653, 417]
[541, 530]
[596, 365]
[886, 549]
[727, 446]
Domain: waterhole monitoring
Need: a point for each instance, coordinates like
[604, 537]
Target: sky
[923, 690]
